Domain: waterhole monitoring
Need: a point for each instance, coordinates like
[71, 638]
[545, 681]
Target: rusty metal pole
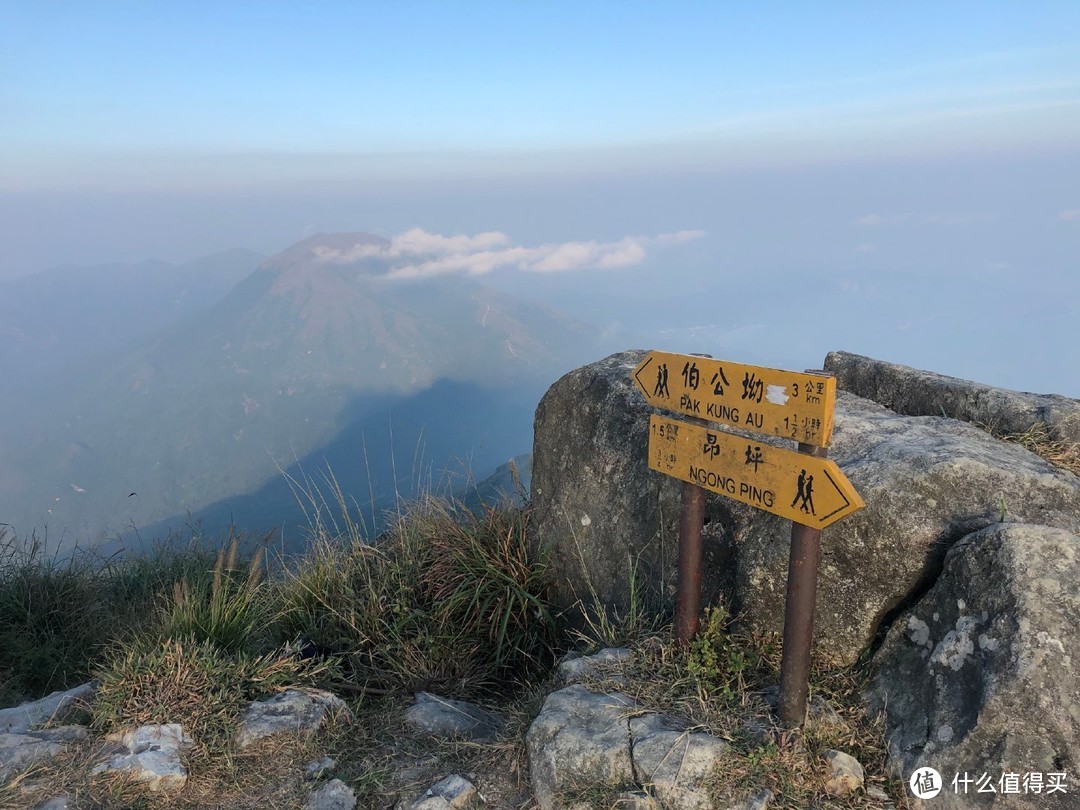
[803, 560]
[691, 524]
[688, 595]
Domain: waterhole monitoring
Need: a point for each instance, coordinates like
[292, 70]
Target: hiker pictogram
[661, 389]
[805, 494]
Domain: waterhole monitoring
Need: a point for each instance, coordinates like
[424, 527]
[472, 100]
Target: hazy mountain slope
[58, 327]
[280, 367]
[65, 314]
[437, 440]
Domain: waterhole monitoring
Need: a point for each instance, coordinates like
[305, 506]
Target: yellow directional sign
[783, 403]
[799, 487]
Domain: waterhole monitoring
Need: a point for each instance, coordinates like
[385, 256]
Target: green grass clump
[59, 615]
[446, 598]
[52, 620]
[228, 608]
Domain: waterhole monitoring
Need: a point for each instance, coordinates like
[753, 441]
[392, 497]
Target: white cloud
[418, 242]
[420, 254]
[868, 220]
[1070, 215]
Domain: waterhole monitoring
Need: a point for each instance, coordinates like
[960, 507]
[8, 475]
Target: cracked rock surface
[671, 761]
[581, 738]
[20, 749]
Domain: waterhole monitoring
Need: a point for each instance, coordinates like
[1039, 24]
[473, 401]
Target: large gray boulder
[926, 481]
[978, 677]
[597, 508]
[914, 392]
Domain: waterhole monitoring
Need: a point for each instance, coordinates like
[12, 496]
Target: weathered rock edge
[915, 392]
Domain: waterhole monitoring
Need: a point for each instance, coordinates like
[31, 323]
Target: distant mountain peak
[329, 248]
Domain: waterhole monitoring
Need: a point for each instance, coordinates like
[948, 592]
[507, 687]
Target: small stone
[576, 669]
[759, 801]
[443, 717]
[334, 795]
[152, 755]
[293, 710]
[319, 767]
[452, 793]
[636, 800]
[845, 773]
[876, 793]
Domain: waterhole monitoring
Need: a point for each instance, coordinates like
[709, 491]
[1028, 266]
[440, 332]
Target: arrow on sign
[802, 488]
[767, 400]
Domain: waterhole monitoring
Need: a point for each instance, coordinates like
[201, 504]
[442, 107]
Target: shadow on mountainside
[443, 438]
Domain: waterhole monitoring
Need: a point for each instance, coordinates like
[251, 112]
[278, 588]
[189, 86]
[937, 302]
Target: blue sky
[912, 168]
[156, 95]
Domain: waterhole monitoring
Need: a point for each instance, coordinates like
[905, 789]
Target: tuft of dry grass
[1045, 442]
[1040, 440]
[192, 682]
